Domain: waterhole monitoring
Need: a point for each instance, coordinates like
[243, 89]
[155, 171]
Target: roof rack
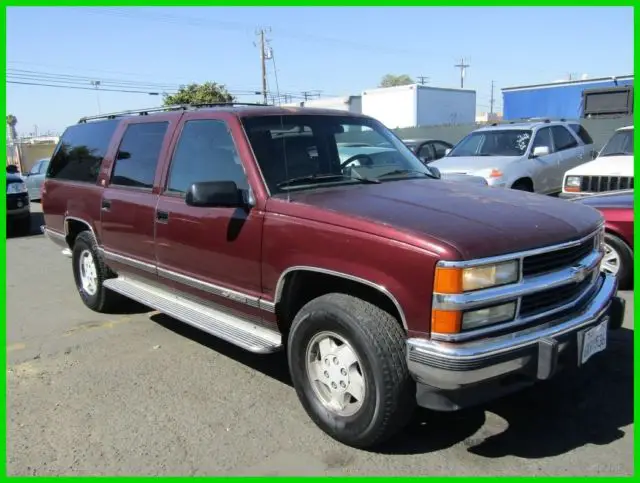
[176, 107]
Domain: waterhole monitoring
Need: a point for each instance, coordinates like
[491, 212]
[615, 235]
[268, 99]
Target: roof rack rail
[176, 107]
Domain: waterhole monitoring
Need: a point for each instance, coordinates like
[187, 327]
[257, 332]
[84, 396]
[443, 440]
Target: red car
[617, 209]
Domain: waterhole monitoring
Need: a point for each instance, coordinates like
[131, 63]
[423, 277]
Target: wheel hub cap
[88, 272]
[611, 260]
[335, 373]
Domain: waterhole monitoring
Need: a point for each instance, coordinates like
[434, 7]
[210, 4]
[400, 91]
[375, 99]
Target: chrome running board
[224, 325]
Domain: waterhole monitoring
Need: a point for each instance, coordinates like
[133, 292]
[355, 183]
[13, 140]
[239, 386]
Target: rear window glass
[79, 154]
[582, 133]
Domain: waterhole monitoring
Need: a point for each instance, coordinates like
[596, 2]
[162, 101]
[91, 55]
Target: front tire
[618, 261]
[347, 362]
[90, 272]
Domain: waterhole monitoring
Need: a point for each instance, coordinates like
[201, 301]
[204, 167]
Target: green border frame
[308, 3]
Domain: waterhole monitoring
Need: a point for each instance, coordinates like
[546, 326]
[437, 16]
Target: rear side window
[137, 157]
[562, 138]
[582, 133]
[80, 152]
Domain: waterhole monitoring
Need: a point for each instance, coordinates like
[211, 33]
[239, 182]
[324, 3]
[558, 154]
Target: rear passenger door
[212, 253]
[571, 152]
[130, 195]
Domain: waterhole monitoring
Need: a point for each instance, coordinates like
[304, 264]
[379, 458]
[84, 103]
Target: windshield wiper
[324, 178]
[405, 171]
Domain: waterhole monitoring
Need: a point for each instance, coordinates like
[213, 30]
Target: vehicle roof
[625, 128]
[524, 125]
[609, 199]
[240, 109]
[422, 140]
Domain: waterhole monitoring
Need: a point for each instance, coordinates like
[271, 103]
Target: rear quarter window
[582, 133]
[81, 150]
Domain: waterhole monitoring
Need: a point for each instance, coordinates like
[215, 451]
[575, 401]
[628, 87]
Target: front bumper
[454, 375]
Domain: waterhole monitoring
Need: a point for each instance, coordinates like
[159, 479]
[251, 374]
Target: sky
[339, 51]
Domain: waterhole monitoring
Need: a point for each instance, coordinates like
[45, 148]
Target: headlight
[491, 315]
[476, 278]
[16, 188]
[573, 182]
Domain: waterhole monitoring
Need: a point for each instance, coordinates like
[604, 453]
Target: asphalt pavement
[138, 393]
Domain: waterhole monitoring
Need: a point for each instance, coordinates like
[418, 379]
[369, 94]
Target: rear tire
[618, 260]
[343, 350]
[90, 272]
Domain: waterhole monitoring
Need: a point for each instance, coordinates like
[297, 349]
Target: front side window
[137, 157]
[205, 152]
[80, 151]
[310, 151]
[620, 144]
[543, 138]
[494, 142]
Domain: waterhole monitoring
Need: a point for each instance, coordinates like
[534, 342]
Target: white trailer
[417, 105]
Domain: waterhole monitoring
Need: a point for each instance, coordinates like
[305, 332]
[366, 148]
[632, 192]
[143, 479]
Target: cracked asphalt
[138, 393]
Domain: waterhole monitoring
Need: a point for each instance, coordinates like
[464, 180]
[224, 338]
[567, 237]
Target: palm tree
[11, 126]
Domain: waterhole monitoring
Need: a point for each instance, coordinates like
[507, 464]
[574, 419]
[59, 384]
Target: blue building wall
[562, 101]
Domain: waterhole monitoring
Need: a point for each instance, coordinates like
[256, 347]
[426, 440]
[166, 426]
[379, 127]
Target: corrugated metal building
[554, 100]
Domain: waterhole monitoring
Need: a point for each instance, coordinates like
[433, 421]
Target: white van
[612, 170]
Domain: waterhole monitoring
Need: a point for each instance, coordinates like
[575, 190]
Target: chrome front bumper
[449, 366]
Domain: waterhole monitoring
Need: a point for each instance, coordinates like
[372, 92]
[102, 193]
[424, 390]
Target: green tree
[207, 93]
[391, 80]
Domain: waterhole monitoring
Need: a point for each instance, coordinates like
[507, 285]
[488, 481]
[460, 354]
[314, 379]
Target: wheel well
[528, 182]
[300, 287]
[74, 228]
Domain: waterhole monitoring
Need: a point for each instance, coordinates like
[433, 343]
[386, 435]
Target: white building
[417, 105]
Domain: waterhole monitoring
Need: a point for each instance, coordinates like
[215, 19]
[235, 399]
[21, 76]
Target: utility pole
[463, 67]
[263, 61]
[492, 98]
[423, 80]
[96, 84]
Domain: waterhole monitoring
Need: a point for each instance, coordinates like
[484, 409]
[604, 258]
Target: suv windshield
[310, 151]
[508, 142]
[620, 144]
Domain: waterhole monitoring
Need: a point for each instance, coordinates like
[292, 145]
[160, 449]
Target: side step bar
[215, 322]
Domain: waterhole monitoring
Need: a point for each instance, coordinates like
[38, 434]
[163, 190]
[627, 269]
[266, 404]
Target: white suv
[612, 170]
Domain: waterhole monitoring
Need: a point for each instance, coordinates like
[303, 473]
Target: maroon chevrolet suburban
[387, 286]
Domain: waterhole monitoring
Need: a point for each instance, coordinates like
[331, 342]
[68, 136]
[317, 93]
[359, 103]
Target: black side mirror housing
[221, 194]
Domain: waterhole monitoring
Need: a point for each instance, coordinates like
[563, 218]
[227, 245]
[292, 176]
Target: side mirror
[435, 171]
[447, 151]
[222, 194]
[540, 151]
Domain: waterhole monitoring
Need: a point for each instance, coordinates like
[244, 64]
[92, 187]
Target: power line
[423, 80]
[81, 88]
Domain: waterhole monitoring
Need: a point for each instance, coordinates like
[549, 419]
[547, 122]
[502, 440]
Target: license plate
[594, 340]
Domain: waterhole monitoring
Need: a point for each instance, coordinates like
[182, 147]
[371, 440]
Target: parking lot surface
[138, 393]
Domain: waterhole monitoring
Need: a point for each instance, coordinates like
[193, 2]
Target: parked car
[387, 286]
[530, 156]
[354, 155]
[34, 178]
[617, 209]
[612, 170]
[18, 207]
[428, 150]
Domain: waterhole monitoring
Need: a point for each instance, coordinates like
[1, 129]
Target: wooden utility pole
[463, 67]
[423, 80]
[263, 61]
[492, 98]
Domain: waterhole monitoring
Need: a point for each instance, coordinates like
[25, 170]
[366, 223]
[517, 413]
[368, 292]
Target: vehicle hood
[477, 221]
[471, 164]
[605, 166]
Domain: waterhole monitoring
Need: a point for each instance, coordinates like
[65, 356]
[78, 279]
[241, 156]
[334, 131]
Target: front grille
[557, 259]
[598, 184]
[552, 298]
